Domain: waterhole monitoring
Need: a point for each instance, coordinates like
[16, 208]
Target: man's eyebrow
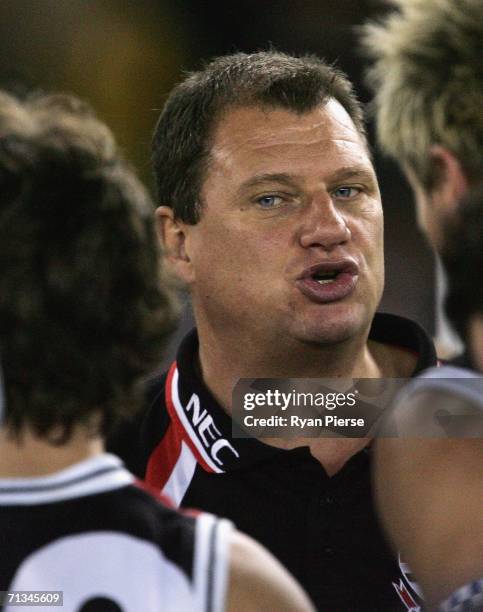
[354, 172]
[362, 173]
[258, 179]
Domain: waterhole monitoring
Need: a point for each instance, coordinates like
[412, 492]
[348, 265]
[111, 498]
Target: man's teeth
[328, 277]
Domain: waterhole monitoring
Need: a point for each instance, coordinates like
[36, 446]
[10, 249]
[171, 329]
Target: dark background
[124, 57]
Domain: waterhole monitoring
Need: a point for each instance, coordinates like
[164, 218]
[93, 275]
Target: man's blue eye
[269, 201]
[346, 192]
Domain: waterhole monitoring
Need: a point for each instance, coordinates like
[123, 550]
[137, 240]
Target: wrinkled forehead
[255, 137]
[257, 124]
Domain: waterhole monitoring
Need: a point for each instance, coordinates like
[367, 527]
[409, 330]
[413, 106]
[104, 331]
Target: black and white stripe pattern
[211, 562]
[102, 473]
[91, 528]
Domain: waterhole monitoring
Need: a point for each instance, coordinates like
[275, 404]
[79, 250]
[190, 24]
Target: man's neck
[224, 361]
[31, 456]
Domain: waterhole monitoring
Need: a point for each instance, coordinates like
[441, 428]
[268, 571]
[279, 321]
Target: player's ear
[451, 183]
[172, 234]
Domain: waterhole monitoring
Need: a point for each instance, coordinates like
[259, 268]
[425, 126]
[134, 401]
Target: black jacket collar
[191, 403]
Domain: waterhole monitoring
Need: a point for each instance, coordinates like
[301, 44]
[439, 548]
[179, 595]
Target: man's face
[290, 242]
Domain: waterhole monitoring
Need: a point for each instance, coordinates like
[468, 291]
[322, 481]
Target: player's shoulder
[158, 514]
[174, 560]
[147, 516]
[197, 542]
[443, 391]
[444, 377]
[153, 512]
[453, 380]
[448, 370]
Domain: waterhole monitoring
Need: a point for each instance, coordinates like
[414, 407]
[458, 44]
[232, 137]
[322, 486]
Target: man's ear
[451, 183]
[172, 234]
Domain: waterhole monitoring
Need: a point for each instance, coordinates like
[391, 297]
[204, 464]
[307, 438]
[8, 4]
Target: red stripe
[405, 596]
[166, 454]
[163, 459]
[175, 420]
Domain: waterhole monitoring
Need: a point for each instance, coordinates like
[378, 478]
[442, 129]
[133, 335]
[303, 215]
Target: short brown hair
[83, 311]
[182, 135]
[428, 82]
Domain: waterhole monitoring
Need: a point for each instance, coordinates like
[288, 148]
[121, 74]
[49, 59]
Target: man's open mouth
[325, 277]
[329, 281]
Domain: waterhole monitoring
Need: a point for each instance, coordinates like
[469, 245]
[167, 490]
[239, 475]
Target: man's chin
[330, 337]
[332, 330]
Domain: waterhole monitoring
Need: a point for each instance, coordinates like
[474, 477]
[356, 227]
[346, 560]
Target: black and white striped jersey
[92, 532]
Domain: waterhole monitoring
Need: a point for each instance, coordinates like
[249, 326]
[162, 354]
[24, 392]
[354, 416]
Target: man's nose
[324, 225]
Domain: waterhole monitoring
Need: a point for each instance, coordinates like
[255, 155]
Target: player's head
[463, 260]
[272, 212]
[428, 84]
[183, 135]
[82, 310]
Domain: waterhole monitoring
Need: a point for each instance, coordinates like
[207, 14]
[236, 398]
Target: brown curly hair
[84, 310]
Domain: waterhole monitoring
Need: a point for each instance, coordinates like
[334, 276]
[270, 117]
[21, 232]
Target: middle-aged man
[271, 215]
[428, 82]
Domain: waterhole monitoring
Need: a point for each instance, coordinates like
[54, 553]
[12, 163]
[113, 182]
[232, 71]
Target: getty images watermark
[351, 408]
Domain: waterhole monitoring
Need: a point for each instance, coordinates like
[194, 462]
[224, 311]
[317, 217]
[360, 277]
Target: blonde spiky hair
[428, 82]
